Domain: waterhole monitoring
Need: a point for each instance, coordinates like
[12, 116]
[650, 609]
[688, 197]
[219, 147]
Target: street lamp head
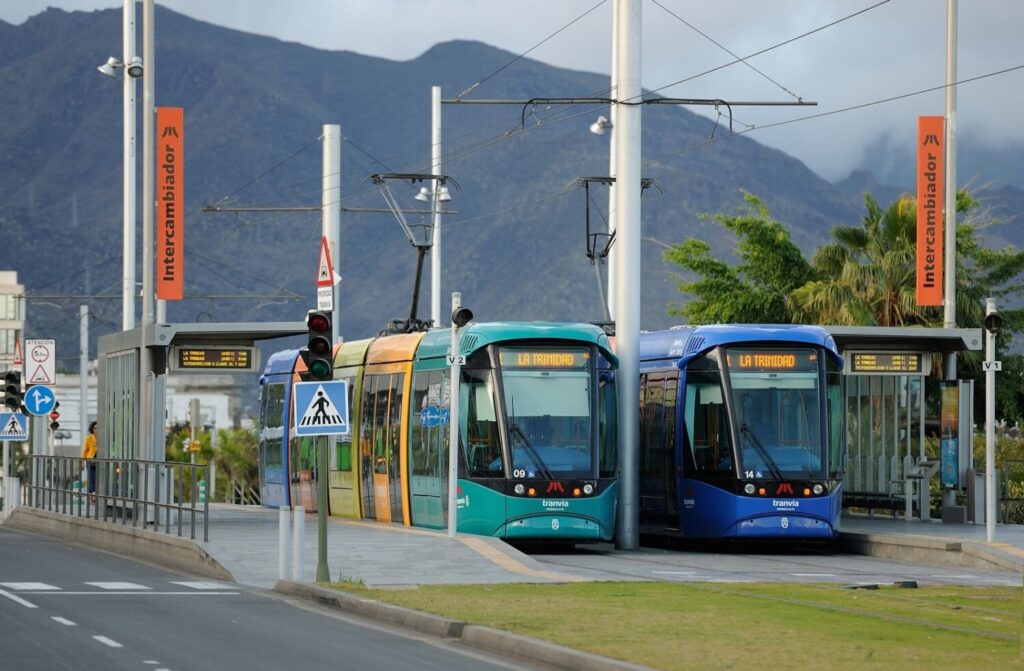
[443, 195]
[109, 69]
[599, 126]
[134, 68]
[424, 195]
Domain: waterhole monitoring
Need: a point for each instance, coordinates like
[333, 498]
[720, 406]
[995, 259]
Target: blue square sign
[321, 408]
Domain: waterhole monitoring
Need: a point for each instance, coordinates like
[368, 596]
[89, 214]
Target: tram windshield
[548, 401]
[776, 400]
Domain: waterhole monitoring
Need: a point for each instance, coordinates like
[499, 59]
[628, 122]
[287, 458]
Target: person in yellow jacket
[89, 454]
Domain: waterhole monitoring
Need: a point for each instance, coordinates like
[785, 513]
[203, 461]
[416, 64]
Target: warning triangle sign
[18, 360]
[321, 411]
[12, 428]
[40, 376]
[325, 270]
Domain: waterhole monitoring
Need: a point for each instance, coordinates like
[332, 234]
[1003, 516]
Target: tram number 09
[519, 473]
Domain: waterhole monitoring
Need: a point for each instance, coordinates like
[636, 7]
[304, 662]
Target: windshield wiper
[537, 461]
[761, 450]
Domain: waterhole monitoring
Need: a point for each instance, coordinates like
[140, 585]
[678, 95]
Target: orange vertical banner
[170, 211]
[930, 160]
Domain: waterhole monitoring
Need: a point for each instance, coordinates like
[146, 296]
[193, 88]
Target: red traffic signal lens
[55, 415]
[318, 322]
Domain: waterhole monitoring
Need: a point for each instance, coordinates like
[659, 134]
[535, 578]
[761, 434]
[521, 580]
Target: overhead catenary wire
[819, 115]
[522, 55]
[724, 48]
[767, 49]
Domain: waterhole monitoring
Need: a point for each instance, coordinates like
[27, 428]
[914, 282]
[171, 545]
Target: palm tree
[867, 277]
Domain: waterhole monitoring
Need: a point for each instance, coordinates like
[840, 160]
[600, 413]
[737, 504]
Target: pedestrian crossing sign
[321, 408]
[12, 426]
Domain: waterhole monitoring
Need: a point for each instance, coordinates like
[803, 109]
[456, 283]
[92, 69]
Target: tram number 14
[749, 475]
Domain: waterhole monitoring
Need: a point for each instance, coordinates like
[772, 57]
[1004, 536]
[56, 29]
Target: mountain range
[514, 244]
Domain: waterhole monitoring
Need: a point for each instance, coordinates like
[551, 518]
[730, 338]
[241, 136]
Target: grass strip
[686, 625]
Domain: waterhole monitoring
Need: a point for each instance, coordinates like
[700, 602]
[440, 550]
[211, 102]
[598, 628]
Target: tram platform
[243, 546]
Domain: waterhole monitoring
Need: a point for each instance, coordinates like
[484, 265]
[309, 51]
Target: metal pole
[453, 421]
[83, 368]
[435, 167]
[323, 573]
[949, 304]
[627, 274]
[128, 160]
[990, 426]
[146, 448]
[612, 117]
[331, 210]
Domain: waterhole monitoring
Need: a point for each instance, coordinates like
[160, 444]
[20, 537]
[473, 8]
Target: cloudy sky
[894, 48]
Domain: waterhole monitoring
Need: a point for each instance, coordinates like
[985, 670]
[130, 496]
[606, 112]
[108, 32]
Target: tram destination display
[888, 363]
[202, 358]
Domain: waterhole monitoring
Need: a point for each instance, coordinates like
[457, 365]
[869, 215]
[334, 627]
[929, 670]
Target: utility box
[976, 496]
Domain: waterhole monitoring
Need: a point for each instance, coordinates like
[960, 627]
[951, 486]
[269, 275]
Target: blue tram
[741, 432]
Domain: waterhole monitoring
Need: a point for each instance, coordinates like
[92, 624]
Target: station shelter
[886, 371]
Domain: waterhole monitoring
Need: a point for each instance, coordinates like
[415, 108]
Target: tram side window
[395, 423]
[707, 429]
[652, 391]
[608, 429]
[341, 455]
[429, 434]
[366, 437]
[380, 425]
[483, 453]
[272, 412]
[836, 414]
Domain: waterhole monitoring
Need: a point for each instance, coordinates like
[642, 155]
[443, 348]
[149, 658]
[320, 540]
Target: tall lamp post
[132, 65]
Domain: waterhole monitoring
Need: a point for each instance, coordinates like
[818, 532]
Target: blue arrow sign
[12, 426]
[40, 399]
[321, 408]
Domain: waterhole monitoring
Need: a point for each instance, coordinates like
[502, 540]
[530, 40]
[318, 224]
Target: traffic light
[54, 416]
[12, 390]
[319, 352]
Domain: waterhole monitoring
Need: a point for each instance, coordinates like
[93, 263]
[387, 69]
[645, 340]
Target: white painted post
[284, 535]
[330, 201]
[298, 544]
[453, 424]
[990, 425]
[435, 168]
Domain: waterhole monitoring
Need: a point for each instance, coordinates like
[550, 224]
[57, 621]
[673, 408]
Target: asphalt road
[68, 607]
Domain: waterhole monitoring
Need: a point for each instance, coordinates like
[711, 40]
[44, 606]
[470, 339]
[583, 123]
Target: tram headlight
[818, 489]
[749, 489]
[588, 489]
[519, 489]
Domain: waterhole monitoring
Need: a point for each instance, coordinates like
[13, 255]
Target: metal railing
[157, 494]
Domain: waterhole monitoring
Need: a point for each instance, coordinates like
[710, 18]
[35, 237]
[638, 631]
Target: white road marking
[815, 575]
[135, 593]
[118, 585]
[62, 620]
[953, 576]
[106, 641]
[17, 599]
[199, 584]
[150, 661]
[673, 572]
[28, 586]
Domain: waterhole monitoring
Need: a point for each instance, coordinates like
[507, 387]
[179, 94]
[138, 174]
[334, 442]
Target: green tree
[756, 290]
